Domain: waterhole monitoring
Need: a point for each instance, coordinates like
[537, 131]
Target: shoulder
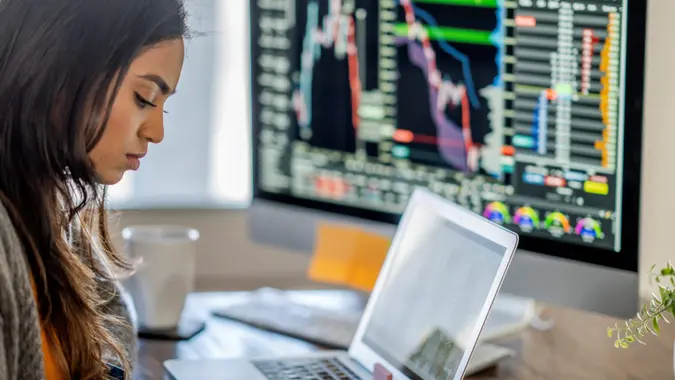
[9, 317]
[19, 329]
[7, 293]
[13, 265]
[9, 238]
[14, 269]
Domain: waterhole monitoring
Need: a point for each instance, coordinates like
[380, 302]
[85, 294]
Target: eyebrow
[160, 82]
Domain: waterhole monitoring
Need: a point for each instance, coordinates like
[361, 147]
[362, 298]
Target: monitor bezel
[626, 258]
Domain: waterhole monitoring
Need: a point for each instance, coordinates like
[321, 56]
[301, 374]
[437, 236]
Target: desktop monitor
[528, 112]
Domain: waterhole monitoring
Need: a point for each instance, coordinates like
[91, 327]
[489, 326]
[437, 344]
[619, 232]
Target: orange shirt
[49, 351]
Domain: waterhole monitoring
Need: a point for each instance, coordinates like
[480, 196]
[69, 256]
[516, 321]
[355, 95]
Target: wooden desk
[576, 348]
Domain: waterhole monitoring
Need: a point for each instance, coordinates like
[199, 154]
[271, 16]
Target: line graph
[435, 30]
[442, 93]
[458, 117]
[335, 47]
[337, 31]
[430, 49]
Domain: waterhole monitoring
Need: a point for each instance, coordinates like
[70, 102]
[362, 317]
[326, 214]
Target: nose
[153, 129]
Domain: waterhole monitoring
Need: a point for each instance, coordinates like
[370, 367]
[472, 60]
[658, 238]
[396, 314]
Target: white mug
[165, 272]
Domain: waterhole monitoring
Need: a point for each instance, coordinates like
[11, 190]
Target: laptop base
[484, 357]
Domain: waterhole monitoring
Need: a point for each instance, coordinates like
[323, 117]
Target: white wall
[658, 190]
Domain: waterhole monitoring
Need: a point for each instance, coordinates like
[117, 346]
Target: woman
[82, 89]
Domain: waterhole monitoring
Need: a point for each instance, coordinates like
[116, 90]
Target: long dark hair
[61, 65]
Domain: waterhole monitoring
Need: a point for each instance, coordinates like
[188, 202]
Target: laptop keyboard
[305, 369]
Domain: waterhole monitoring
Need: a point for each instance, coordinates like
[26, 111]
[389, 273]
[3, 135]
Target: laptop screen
[428, 307]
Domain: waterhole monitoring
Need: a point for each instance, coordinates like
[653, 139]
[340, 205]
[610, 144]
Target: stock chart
[512, 108]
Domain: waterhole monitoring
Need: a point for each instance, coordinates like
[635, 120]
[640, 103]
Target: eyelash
[142, 102]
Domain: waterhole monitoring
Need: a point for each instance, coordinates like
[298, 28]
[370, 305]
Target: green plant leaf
[648, 319]
[664, 293]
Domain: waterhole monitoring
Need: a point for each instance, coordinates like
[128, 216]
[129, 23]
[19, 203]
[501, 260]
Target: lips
[139, 155]
[134, 161]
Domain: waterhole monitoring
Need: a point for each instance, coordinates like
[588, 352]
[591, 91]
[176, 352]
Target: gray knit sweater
[20, 344]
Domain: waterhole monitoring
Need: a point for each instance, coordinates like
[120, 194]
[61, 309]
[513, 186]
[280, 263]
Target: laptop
[423, 319]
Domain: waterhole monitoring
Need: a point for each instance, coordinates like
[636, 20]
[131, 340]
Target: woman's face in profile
[137, 116]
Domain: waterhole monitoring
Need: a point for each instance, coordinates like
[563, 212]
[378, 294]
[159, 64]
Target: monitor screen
[429, 340]
[511, 108]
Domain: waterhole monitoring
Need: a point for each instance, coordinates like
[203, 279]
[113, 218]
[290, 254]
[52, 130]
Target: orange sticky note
[331, 261]
[345, 255]
[371, 250]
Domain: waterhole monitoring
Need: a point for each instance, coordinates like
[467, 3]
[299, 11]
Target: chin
[110, 177]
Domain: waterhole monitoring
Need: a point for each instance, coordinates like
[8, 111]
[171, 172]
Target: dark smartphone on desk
[115, 372]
